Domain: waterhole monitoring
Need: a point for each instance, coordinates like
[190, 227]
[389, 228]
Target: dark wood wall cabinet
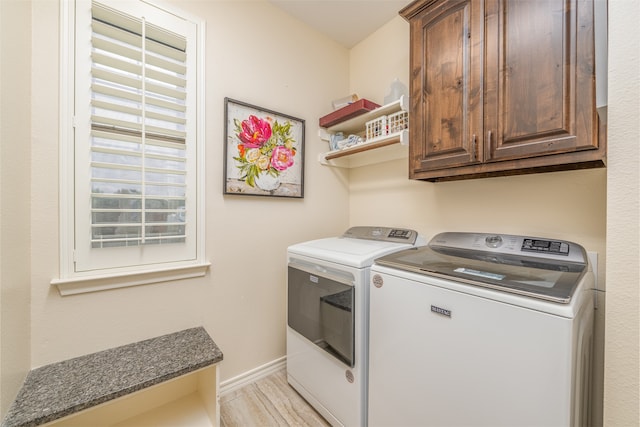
[502, 87]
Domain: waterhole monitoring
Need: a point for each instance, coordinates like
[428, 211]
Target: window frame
[70, 280]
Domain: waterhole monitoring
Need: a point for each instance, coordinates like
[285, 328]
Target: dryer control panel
[386, 234]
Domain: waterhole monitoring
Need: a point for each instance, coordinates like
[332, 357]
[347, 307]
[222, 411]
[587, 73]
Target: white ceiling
[346, 21]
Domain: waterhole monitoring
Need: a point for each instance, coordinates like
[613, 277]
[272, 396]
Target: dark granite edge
[13, 417]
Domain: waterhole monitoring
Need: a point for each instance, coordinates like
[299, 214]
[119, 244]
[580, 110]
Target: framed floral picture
[263, 152]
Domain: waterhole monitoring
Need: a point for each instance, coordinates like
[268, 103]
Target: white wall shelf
[381, 149]
[390, 147]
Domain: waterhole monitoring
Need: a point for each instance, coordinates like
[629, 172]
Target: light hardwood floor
[268, 402]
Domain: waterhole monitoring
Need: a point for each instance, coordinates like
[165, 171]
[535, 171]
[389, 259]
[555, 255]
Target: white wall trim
[252, 375]
[88, 283]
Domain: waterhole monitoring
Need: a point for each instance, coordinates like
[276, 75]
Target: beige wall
[257, 54]
[15, 62]
[622, 354]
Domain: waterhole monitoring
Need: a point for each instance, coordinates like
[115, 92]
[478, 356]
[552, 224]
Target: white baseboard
[253, 375]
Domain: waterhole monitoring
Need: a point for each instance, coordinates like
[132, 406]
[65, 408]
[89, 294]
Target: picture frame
[263, 151]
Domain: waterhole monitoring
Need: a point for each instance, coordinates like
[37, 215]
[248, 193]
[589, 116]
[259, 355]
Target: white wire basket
[376, 128]
[397, 122]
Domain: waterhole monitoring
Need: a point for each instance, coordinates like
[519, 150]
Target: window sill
[84, 284]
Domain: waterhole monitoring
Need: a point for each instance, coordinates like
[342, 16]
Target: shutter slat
[127, 125]
[165, 171]
[166, 78]
[137, 139]
[116, 210]
[114, 33]
[169, 132]
[117, 151]
[116, 166]
[118, 79]
[115, 196]
[167, 64]
[119, 224]
[166, 51]
[117, 63]
[115, 18]
[166, 37]
[122, 166]
[175, 106]
[97, 87]
[116, 49]
[166, 91]
[166, 118]
[120, 108]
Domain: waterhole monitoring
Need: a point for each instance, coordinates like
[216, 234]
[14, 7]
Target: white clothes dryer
[327, 318]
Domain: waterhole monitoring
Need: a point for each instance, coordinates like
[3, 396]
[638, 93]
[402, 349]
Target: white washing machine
[327, 318]
[481, 330]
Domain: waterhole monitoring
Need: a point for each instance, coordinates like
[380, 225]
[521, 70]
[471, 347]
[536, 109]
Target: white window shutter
[136, 170]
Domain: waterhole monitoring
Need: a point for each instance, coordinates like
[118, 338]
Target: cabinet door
[446, 97]
[539, 93]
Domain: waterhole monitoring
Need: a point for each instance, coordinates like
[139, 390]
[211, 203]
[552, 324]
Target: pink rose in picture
[255, 132]
[282, 158]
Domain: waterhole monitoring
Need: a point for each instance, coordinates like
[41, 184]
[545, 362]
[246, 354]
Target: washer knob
[493, 241]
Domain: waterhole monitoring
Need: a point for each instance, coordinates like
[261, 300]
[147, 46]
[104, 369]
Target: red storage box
[350, 111]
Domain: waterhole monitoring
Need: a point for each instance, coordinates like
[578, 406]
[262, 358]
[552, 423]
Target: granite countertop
[341, 300]
[60, 389]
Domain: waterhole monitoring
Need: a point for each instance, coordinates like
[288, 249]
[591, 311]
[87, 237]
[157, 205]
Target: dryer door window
[321, 309]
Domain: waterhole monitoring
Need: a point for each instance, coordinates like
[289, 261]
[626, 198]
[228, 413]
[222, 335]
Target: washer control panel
[546, 246]
[493, 241]
[538, 247]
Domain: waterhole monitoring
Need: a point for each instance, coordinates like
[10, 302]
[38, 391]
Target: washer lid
[515, 268]
[356, 252]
